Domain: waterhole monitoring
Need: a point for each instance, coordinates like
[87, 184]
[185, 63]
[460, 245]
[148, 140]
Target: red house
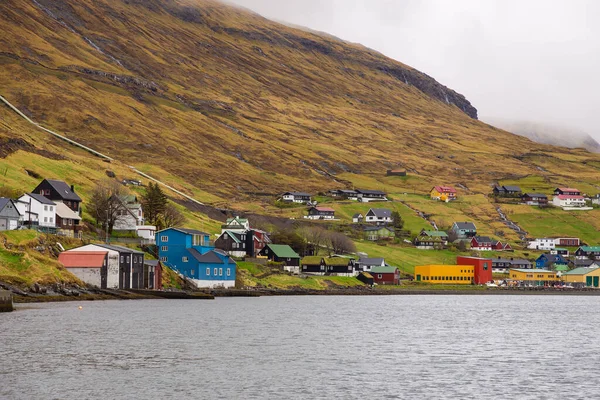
[499, 246]
[481, 243]
[569, 191]
[385, 275]
[482, 268]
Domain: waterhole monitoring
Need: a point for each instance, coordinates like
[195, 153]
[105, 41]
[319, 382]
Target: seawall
[6, 302]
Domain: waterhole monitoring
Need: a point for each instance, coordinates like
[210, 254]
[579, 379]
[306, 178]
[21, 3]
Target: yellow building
[445, 274]
[443, 193]
[589, 277]
[533, 275]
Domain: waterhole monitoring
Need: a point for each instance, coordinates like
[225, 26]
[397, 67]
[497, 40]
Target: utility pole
[106, 224]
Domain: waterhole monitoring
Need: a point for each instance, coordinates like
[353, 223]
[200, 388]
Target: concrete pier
[6, 303]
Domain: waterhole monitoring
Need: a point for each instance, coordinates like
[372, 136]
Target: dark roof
[63, 190]
[364, 191]
[3, 202]
[552, 258]
[381, 212]
[120, 249]
[297, 194]
[357, 215]
[582, 263]
[347, 191]
[481, 239]
[210, 257]
[40, 198]
[512, 188]
[513, 261]
[465, 225]
[375, 228]
[535, 195]
[371, 261]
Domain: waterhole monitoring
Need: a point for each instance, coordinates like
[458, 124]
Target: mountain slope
[234, 104]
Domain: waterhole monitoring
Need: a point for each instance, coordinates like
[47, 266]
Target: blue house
[190, 253]
[548, 261]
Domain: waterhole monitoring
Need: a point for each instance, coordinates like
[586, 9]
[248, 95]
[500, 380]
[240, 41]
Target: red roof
[82, 259]
[570, 196]
[325, 209]
[445, 189]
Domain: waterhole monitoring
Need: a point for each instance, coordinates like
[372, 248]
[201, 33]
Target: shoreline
[26, 298]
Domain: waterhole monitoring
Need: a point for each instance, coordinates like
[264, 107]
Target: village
[138, 259]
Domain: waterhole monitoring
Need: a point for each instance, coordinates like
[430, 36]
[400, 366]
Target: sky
[530, 60]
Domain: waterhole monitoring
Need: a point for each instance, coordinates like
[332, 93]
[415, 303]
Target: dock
[6, 301]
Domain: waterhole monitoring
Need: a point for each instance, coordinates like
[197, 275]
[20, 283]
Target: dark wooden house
[59, 191]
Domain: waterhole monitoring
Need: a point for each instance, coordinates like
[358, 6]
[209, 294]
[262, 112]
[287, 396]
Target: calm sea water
[391, 347]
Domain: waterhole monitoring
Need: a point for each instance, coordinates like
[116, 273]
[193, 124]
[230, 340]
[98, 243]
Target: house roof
[283, 251]
[465, 225]
[241, 221]
[512, 188]
[4, 201]
[535, 195]
[590, 248]
[336, 261]
[65, 212]
[366, 275]
[311, 260]
[152, 263]
[381, 212]
[570, 196]
[63, 190]
[357, 215]
[562, 189]
[324, 209]
[365, 191]
[445, 189]
[41, 199]
[582, 262]
[120, 249]
[185, 230]
[347, 191]
[383, 270]
[376, 228]
[533, 270]
[297, 194]
[210, 257]
[434, 233]
[82, 259]
[552, 258]
[513, 261]
[233, 236]
[483, 239]
[371, 261]
[581, 271]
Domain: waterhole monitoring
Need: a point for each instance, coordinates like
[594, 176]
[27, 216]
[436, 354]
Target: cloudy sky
[534, 60]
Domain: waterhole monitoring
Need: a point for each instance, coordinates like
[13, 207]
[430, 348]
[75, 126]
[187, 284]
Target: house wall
[445, 274]
[125, 222]
[386, 278]
[533, 275]
[112, 265]
[482, 272]
[9, 217]
[91, 276]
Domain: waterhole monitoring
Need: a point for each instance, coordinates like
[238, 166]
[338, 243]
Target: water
[389, 347]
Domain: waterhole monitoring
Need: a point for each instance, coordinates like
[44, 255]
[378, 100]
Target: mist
[531, 61]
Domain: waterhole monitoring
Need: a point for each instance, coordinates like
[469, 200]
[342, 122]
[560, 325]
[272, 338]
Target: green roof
[581, 271]
[383, 270]
[435, 233]
[560, 248]
[336, 261]
[561, 267]
[232, 235]
[283, 251]
[311, 260]
[590, 248]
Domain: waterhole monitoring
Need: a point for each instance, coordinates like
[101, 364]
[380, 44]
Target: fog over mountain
[532, 61]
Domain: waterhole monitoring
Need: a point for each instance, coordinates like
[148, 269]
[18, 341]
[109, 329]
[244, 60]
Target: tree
[292, 239]
[398, 222]
[338, 243]
[170, 217]
[314, 236]
[105, 203]
[154, 203]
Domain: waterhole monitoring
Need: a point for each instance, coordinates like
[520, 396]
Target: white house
[357, 218]
[87, 258]
[568, 200]
[366, 264]
[129, 215]
[379, 216]
[146, 232]
[542, 244]
[296, 197]
[37, 210]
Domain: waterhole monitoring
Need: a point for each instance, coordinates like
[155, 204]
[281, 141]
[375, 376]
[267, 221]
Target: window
[485, 266]
[192, 273]
[164, 259]
[45, 208]
[207, 271]
[122, 259]
[52, 219]
[45, 219]
[164, 239]
[304, 267]
[127, 258]
[243, 237]
[379, 276]
[234, 245]
[164, 248]
[228, 271]
[215, 271]
[70, 222]
[220, 271]
[184, 259]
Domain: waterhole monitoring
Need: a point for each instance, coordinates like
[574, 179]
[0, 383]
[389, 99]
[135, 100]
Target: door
[596, 281]
[418, 278]
[588, 281]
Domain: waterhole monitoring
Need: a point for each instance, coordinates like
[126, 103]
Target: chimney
[72, 188]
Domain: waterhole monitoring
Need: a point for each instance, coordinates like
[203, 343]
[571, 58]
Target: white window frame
[164, 248]
[184, 259]
[164, 259]
[228, 271]
[215, 271]
[164, 239]
[207, 271]
[220, 271]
